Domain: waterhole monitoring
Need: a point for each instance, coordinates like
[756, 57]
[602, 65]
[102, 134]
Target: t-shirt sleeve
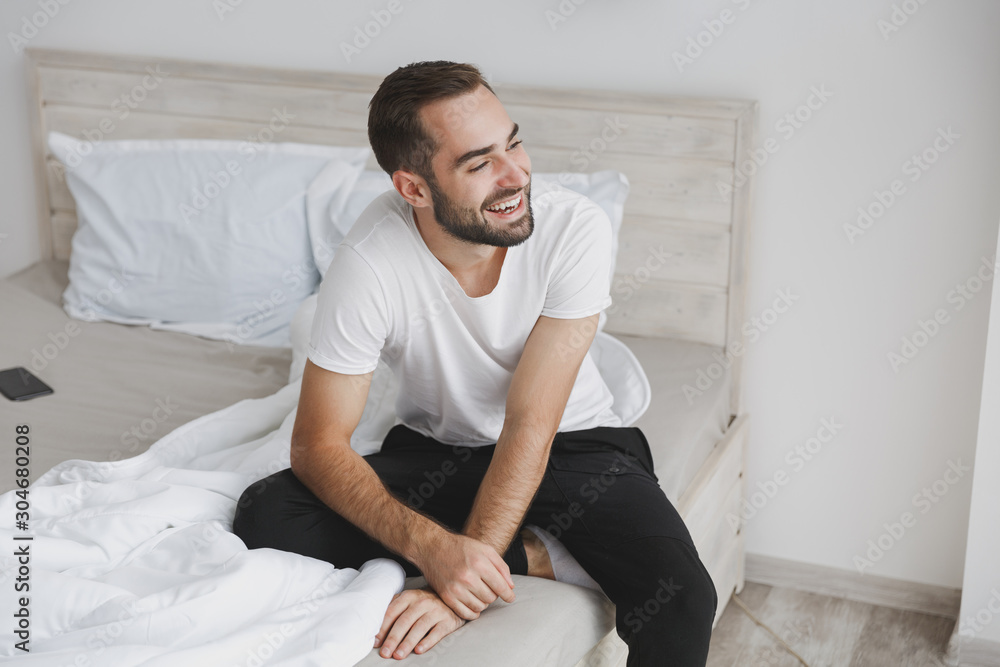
[580, 285]
[351, 322]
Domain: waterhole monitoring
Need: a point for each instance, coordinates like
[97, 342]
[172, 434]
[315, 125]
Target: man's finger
[502, 568]
[458, 606]
[398, 632]
[396, 608]
[417, 632]
[437, 633]
[477, 598]
[498, 586]
[500, 581]
[482, 596]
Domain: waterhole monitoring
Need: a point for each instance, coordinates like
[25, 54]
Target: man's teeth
[505, 206]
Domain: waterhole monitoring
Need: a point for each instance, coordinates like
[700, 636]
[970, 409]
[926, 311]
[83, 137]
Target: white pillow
[330, 219]
[624, 376]
[200, 236]
[608, 189]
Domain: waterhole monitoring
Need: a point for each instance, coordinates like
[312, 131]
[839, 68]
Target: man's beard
[470, 224]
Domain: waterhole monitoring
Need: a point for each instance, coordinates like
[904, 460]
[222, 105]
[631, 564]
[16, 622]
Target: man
[483, 299]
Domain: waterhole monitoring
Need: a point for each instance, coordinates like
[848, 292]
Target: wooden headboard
[679, 154]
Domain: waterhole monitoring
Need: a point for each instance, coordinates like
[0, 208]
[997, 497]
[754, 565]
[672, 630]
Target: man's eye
[478, 168]
[515, 145]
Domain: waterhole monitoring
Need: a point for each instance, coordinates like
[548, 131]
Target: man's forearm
[536, 400]
[509, 485]
[343, 480]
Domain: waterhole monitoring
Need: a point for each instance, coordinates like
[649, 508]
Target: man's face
[482, 184]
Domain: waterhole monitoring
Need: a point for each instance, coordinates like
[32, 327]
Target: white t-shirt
[385, 294]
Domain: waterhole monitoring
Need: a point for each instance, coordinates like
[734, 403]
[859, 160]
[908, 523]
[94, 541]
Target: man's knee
[258, 509]
[678, 598]
[693, 588]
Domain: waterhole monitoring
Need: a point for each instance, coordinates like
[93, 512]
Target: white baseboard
[972, 652]
[850, 585]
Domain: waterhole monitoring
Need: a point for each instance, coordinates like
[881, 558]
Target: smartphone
[19, 384]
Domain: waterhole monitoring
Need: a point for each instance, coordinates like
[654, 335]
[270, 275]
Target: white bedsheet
[134, 562]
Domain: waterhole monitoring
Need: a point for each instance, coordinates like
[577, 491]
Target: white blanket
[134, 562]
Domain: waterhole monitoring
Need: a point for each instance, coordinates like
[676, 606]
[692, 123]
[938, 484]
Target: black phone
[20, 384]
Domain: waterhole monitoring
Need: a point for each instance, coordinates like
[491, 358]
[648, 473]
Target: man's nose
[514, 175]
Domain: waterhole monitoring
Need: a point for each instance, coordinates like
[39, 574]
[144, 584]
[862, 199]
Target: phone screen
[19, 384]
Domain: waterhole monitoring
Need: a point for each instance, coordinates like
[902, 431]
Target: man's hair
[397, 136]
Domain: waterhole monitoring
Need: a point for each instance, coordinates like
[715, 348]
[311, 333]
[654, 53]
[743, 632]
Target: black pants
[599, 497]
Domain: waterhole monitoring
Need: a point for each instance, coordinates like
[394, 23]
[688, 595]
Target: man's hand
[466, 573]
[415, 621]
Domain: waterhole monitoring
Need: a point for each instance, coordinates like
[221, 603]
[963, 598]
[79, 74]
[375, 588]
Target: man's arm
[330, 408]
[537, 397]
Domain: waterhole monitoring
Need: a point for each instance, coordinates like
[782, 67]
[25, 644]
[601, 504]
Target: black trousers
[599, 497]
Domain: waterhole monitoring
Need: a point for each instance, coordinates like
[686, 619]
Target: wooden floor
[826, 632]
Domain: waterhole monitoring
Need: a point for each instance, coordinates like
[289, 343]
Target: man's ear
[412, 187]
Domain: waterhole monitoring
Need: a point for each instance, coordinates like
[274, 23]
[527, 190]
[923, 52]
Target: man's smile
[508, 208]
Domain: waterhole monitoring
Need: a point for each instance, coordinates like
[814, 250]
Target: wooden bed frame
[681, 156]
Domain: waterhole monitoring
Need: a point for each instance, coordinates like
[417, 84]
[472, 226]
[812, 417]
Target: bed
[219, 414]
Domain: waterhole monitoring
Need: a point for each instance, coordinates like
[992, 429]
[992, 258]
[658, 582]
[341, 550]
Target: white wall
[980, 616]
[826, 357]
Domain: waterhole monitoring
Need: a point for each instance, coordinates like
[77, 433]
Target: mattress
[118, 388]
[566, 621]
[690, 410]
